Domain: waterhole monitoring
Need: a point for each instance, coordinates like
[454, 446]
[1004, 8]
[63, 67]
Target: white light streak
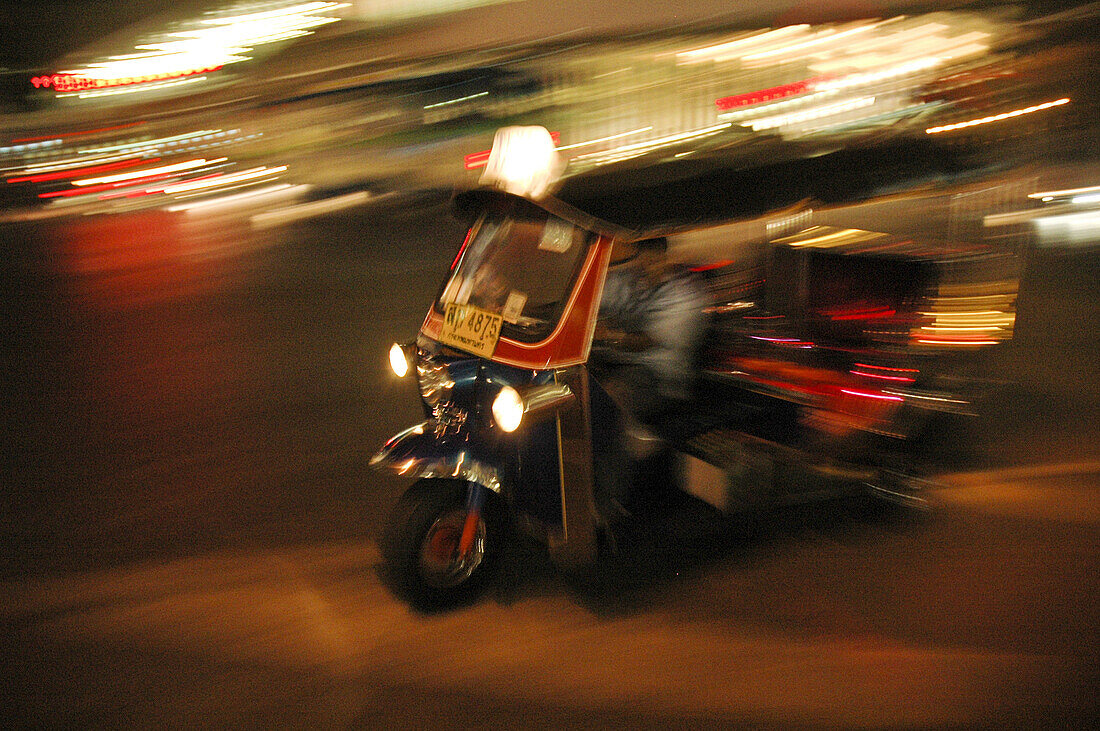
[825, 36]
[252, 174]
[150, 143]
[231, 200]
[831, 239]
[608, 138]
[73, 162]
[871, 77]
[212, 44]
[132, 175]
[640, 148]
[811, 114]
[456, 101]
[731, 49]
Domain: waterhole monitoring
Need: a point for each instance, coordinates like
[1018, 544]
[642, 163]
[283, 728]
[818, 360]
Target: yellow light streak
[1069, 191]
[961, 328]
[224, 179]
[958, 342]
[997, 117]
[836, 238]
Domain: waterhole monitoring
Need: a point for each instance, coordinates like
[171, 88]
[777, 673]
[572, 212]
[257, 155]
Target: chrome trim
[575, 545]
[544, 400]
[448, 419]
[455, 465]
[434, 380]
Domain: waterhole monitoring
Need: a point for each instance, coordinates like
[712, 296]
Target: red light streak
[865, 394]
[785, 342]
[105, 186]
[875, 313]
[64, 83]
[76, 134]
[81, 171]
[476, 159]
[465, 242]
[715, 265]
[886, 368]
[881, 377]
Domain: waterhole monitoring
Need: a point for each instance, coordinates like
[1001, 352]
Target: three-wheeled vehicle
[823, 358]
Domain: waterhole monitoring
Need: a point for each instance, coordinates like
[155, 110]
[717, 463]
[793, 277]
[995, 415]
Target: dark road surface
[188, 525]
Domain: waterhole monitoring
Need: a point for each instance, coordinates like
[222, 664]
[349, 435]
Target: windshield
[520, 263]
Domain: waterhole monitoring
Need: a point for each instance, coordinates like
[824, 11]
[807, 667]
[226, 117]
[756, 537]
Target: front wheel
[420, 546]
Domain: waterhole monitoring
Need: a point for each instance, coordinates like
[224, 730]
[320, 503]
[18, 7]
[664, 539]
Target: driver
[652, 317]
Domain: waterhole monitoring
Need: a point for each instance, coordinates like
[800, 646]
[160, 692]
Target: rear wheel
[420, 545]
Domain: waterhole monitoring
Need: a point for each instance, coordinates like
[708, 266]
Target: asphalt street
[188, 532]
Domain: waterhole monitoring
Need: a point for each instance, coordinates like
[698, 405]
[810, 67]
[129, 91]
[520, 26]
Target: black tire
[422, 531]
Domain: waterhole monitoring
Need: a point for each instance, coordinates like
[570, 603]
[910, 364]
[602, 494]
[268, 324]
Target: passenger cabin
[848, 327]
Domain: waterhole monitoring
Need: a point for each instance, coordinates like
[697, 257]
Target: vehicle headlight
[508, 409]
[398, 361]
[436, 383]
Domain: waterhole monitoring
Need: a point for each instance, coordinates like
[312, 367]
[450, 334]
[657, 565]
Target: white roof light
[523, 161]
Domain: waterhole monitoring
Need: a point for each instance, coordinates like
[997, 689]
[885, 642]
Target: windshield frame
[485, 248]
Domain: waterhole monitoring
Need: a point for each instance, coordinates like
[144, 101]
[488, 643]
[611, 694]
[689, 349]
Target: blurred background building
[407, 96]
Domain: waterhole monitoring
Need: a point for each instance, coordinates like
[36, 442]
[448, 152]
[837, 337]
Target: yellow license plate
[471, 329]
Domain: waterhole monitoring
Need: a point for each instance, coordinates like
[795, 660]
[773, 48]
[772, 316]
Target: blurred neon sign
[765, 95]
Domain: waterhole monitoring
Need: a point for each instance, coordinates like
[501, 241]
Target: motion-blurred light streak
[1052, 194]
[732, 49]
[997, 117]
[132, 89]
[251, 174]
[152, 142]
[251, 196]
[608, 138]
[186, 56]
[63, 174]
[176, 167]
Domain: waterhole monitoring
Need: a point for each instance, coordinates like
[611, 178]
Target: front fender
[418, 452]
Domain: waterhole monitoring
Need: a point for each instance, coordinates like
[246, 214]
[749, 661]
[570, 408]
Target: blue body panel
[479, 452]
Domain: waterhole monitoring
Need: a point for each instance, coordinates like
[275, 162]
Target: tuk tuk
[823, 358]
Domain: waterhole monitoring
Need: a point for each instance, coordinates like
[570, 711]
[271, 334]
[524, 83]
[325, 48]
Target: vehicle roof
[715, 240]
[468, 203]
